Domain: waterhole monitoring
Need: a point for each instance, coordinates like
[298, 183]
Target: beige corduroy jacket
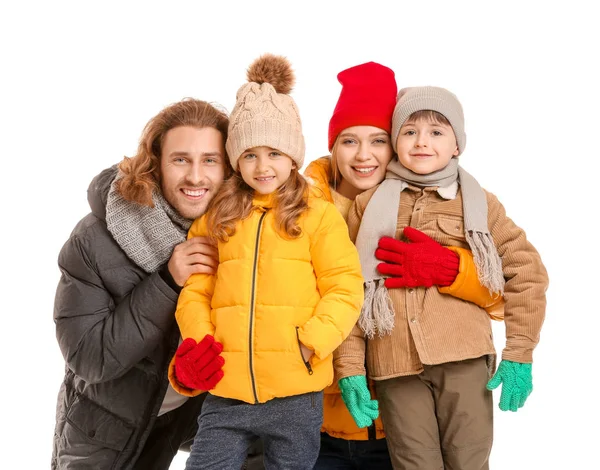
[435, 328]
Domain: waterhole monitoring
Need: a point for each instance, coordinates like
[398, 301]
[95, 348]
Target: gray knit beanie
[422, 98]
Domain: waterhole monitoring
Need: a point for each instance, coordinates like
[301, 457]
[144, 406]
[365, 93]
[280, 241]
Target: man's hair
[141, 173]
[233, 203]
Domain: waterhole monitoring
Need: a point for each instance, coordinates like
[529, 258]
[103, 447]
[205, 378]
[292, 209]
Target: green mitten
[515, 378]
[357, 398]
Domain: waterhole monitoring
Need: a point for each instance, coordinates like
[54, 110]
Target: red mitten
[199, 366]
[422, 263]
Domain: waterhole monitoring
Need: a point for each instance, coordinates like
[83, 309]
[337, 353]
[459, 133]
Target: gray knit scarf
[380, 219]
[146, 234]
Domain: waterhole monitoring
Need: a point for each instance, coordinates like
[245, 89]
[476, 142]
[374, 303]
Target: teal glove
[516, 384]
[357, 398]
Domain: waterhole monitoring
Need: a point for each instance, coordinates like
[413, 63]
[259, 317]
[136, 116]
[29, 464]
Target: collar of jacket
[448, 192]
[265, 201]
[317, 173]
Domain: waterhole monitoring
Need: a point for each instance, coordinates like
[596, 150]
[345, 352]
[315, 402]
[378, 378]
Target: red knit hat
[368, 98]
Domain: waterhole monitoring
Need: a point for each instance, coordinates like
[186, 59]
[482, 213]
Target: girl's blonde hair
[141, 173]
[233, 203]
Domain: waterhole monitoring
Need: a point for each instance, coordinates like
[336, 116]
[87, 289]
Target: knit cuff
[165, 275]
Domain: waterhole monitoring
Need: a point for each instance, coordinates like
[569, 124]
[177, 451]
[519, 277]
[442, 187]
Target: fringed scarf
[380, 219]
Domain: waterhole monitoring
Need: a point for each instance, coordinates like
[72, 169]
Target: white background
[79, 80]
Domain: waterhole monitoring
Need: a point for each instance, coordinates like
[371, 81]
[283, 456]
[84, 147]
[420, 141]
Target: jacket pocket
[98, 425]
[451, 229]
[306, 363]
[92, 437]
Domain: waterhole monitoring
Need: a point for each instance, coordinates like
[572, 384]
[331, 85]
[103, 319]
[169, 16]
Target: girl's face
[265, 169]
[426, 146]
[361, 155]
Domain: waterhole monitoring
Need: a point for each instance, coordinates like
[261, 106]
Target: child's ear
[455, 153]
[294, 166]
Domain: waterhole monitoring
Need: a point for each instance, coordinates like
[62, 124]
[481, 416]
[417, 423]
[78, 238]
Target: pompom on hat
[264, 114]
[367, 98]
[422, 98]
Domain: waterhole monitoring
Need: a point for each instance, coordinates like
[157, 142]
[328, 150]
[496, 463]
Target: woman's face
[361, 154]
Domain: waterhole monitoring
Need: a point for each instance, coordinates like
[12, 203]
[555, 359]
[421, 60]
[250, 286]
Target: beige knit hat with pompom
[264, 114]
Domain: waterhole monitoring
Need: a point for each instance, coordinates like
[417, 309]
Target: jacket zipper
[252, 299]
[306, 363]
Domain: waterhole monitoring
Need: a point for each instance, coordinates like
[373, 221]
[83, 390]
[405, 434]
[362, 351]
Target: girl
[287, 291]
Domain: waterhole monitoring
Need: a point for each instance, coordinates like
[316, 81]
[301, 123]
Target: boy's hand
[516, 381]
[199, 366]
[421, 263]
[357, 398]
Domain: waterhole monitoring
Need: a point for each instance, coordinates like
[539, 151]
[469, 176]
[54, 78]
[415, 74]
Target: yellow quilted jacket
[270, 294]
[337, 421]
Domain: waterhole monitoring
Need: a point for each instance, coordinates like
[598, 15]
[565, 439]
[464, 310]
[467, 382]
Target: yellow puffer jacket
[337, 421]
[270, 294]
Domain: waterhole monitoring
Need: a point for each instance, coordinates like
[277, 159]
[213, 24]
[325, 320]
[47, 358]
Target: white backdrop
[80, 80]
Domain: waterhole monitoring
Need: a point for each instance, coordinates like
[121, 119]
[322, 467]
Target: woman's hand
[421, 263]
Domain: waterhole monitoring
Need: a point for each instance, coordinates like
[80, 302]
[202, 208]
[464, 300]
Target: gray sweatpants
[289, 427]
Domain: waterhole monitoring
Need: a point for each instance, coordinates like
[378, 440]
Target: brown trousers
[439, 419]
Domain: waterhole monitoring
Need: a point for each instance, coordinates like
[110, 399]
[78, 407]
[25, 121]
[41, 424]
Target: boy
[431, 369]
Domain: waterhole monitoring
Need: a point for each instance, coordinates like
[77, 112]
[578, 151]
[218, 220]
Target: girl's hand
[306, 353]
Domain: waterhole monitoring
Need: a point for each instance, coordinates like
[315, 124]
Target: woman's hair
[141, 173]
[334, 175]
[233, 203]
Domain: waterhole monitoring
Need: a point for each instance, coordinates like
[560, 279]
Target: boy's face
[425, 147]
[265, 169]
[192, 168]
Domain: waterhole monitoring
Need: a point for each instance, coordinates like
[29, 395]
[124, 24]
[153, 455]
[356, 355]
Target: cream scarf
[380, 219]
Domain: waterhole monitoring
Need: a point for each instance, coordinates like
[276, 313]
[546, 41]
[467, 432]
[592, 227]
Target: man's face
[192, 168]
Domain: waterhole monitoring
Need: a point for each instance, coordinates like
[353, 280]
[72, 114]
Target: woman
[360, 147]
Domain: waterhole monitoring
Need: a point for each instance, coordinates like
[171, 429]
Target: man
[122, 269]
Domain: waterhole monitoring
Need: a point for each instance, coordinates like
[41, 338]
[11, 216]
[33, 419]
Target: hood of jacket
[97, 193]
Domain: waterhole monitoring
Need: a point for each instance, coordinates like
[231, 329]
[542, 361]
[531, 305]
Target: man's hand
[196, 255]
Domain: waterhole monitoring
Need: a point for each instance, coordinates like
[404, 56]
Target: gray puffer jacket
[116, 329]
